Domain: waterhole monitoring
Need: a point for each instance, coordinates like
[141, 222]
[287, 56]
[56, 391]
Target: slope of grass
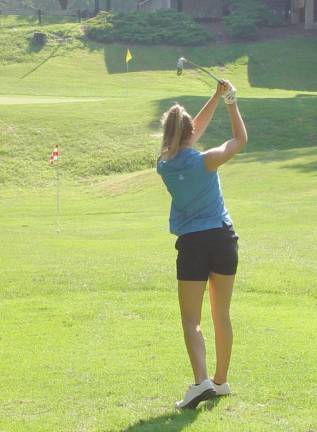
[117, 135]
[121, 132]
[17, 45]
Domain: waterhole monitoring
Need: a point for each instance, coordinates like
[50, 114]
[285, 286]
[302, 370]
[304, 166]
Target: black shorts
[203, 252]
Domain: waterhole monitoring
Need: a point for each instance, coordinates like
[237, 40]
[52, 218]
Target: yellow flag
[128, 56]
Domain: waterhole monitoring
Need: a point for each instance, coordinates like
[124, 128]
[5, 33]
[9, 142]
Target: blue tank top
[197, 200]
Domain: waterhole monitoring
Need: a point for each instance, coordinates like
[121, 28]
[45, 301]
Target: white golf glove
[231, 96]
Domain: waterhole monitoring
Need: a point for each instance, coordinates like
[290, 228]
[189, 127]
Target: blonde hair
[177, 129]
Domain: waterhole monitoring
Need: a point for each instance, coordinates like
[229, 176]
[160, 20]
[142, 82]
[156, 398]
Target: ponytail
[178, 127]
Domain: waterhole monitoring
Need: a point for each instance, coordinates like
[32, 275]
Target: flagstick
[128, 57]
[57, 199]
[54, 160]
[127, 79]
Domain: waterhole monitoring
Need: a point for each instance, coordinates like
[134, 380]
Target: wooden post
[40, 16]
[97, 7]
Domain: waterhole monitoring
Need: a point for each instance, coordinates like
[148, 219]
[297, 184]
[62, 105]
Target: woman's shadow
[175, 421]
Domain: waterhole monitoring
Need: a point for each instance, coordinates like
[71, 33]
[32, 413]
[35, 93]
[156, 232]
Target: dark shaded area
[144, 58]
[175, 422]
[280, 64]
[305, 165]
[284, 65]
[272, 124]
[37, 42]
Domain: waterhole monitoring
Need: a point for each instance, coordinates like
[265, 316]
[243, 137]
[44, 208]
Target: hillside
[74, 92]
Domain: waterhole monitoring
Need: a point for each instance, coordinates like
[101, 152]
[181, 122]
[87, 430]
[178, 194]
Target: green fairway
[91, 327]
[91, 336]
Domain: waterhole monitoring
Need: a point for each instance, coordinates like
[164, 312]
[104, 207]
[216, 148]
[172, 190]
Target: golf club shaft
[205, 70]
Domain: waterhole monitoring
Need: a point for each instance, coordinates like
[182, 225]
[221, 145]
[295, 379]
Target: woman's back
[197, 200]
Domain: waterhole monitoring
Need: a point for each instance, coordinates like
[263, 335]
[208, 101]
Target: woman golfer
[206, 244]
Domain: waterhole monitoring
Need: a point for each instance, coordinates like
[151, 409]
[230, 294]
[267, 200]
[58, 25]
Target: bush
[275, 20]
[240, 26]
[246, 16]
[160, 27]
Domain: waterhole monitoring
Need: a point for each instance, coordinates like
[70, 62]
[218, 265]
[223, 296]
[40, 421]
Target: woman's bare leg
[190, 295]
[220, 293]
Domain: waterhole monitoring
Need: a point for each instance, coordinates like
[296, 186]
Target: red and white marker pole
[54, 160]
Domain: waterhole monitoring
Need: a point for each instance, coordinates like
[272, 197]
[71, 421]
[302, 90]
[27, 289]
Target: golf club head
[180, 65]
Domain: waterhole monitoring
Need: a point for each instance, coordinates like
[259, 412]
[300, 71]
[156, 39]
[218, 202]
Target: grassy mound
[17, 44]
[77, 93]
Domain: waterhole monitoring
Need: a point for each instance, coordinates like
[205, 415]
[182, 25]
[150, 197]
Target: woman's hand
[223, 87]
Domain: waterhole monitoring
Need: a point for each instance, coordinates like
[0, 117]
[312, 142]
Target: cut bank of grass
[120, 131]
[113, 135]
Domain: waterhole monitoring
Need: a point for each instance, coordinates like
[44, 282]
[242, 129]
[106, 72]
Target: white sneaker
[221, 390]
[196, 394]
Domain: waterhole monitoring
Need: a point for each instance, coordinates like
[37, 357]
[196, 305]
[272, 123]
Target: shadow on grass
[273, 124]
[293, 70]
[51, 55]
[34, 47]
[163, 58]
[267, 68]
[302, 160]
[174, 422]
[304, 167]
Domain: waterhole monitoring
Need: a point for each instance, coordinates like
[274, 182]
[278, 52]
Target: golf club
[180, 67]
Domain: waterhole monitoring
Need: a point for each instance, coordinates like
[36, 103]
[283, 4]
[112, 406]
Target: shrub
[275, 20]
[240, 26]
[159, 27]
[246, 16]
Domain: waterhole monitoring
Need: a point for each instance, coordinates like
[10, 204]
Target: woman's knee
[221, 319]
[191, 326]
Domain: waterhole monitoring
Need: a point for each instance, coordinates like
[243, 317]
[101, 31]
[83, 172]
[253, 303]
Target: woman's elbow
[244, 140]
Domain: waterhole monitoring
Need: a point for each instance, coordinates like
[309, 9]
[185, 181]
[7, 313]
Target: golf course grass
[91, 337]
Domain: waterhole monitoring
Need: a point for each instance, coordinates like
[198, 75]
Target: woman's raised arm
[205, 115]
[219, 155]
